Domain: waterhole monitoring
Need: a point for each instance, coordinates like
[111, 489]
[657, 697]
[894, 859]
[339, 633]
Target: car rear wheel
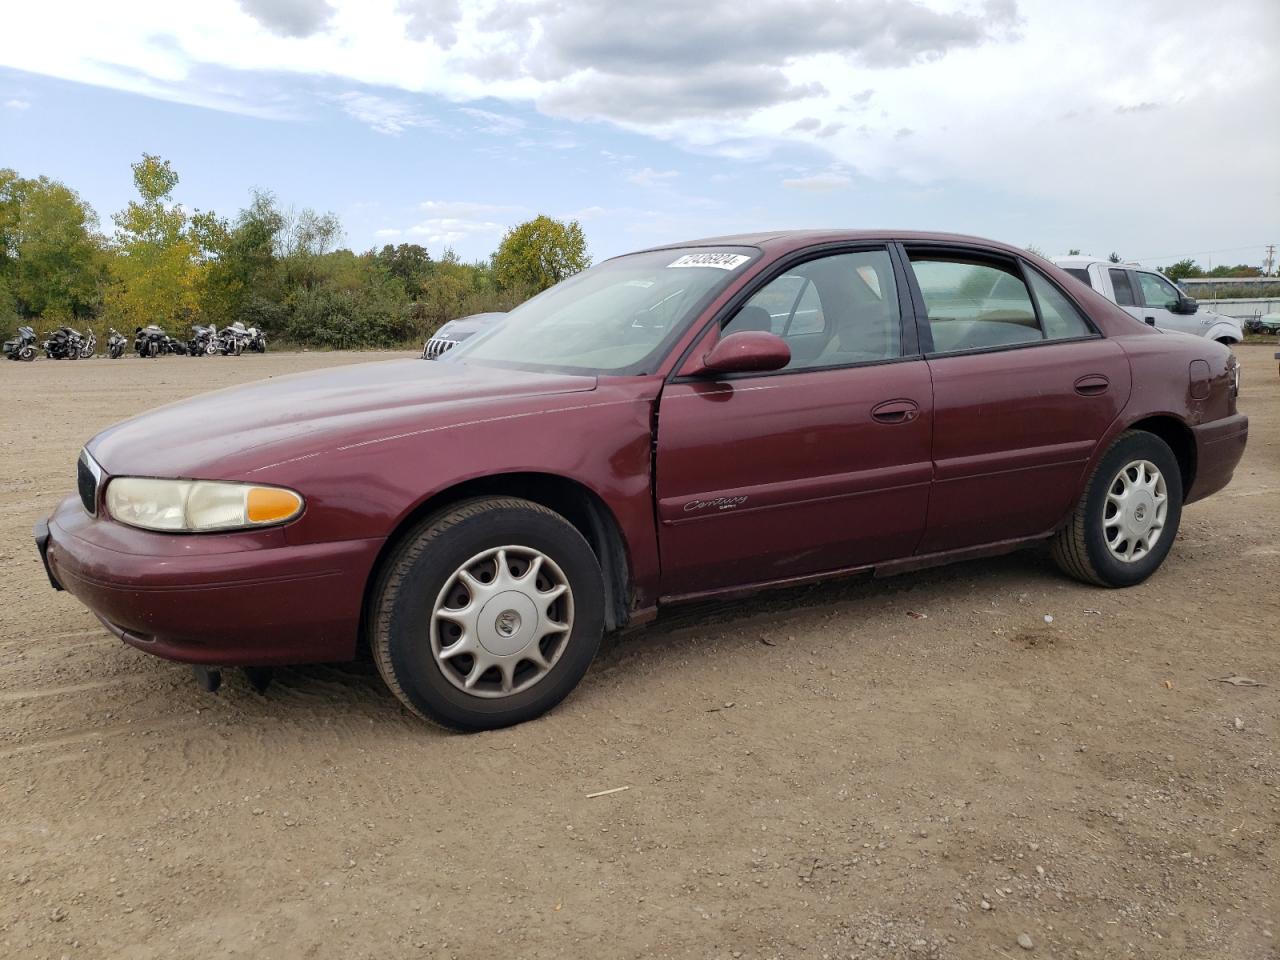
[488, 614]
[1125, 523]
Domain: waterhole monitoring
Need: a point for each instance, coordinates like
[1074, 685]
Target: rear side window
[1123, 288]
[1081, 274]
[974, 305]
[1062, 319]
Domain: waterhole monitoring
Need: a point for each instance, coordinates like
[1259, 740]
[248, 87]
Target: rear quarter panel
[1165, 385]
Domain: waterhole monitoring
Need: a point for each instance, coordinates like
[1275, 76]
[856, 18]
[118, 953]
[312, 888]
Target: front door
[821, 466]
[1159, 300]
[1023, 389]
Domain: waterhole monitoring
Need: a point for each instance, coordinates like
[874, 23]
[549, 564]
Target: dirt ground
[917, 767]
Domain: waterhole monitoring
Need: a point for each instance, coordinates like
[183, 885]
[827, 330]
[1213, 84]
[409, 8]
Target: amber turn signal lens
[271, 504]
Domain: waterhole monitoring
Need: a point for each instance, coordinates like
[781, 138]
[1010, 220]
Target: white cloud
[818, 182]
[16, 104]
[378, 113]
[985, 87]
[451, 222]
[498, 124]
[446, 231]
[649, 177]
[466, 210]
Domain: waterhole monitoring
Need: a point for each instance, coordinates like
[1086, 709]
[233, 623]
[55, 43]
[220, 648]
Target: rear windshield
[619, 317]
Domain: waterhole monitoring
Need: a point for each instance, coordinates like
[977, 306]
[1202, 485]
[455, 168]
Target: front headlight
[194, 506]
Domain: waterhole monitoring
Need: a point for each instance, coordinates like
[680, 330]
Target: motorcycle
[204, 341]
[90, 346]
[232, 339]
[116, 344]
[23, 346]
[150, 341]
[175, 346]
[63, 344]
[257, 340]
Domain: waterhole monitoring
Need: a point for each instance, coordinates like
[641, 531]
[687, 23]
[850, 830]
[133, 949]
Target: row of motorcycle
[66, 343]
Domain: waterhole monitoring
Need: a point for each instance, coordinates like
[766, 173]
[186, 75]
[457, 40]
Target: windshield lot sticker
[721, 261]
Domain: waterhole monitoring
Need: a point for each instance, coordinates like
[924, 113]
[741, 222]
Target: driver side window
[834, 311]
[1157, 292]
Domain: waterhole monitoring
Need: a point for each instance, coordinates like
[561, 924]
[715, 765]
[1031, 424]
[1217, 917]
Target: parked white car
[1152, 297]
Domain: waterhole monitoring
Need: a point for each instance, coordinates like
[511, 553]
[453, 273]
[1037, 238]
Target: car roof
[782, 240]
[1078, 261]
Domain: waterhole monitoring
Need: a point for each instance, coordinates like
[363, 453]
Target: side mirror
[751, 351]
[1186, 305]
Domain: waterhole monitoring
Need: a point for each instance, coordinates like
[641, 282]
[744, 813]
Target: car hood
[230, 432]
[467, 326]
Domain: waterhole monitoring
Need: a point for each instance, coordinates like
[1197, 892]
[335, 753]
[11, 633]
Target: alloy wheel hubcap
[501, 621]
[1133, 516]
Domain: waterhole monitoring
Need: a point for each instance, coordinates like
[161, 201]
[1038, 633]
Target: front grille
[88, 476]
[438, 345]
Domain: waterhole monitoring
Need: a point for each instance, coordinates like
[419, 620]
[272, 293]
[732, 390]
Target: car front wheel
[1125, 523]
[488, 614]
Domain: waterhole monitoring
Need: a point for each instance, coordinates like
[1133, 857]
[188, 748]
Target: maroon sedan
[703, 419]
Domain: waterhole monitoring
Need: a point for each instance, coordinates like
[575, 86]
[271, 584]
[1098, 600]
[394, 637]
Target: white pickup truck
[1151, 297]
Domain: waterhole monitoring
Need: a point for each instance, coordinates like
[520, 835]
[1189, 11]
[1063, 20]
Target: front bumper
[1219, 446]
[243, 599]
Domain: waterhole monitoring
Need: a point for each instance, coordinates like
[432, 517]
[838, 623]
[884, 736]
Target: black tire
[413, 576]
[1080, 548]
[27, 353]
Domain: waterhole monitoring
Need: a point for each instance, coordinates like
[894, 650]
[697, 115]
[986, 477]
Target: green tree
[242, 280]
[1239, 270]
[1114, 257]
[352, 302]
[304, 238]
[540, 253]
[410, 263]
[1183, 269]
[156, 273]
[51, 255]
[1073, 252]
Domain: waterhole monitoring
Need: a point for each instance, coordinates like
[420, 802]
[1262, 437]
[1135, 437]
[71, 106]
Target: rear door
[821, 466]
[1024, 387]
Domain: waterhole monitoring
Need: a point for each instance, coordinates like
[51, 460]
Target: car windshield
[619, 317]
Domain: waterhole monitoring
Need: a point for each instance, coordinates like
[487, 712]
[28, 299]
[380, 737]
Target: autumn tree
[155, 272]
[540, 253]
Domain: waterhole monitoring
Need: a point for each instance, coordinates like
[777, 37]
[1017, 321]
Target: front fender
[1224, 330]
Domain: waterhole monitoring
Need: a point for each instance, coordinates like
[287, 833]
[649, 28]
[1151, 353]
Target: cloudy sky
[1145, 127]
